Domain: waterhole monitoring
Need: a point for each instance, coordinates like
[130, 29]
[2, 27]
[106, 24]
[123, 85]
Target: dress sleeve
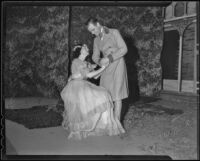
[74, 66]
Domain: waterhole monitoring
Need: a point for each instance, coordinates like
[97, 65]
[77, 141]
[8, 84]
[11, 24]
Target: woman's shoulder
[77, 62]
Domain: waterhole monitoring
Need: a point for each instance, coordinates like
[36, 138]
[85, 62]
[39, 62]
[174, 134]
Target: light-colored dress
[88, 108]
[114, 77]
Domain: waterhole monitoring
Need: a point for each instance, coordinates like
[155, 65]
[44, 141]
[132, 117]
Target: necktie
[101, 34]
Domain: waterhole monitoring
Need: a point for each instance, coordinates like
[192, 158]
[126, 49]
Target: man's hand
[104, 62]
[110, 50]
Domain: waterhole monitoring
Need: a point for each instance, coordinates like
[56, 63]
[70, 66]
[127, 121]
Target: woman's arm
[96, 72]
[97, 76]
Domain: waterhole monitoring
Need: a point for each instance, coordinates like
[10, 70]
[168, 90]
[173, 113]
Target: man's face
[94, 29]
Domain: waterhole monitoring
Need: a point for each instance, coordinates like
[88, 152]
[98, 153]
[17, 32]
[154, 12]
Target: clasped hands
[104, 62]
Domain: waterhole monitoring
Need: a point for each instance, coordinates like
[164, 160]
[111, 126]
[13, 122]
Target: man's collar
[104, 30]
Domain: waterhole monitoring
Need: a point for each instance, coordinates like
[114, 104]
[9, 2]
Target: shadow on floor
[157, 109]
[10, 150]
[126, 104]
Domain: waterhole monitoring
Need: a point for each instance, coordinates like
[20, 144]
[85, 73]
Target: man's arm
[121, 45]
[96, 53]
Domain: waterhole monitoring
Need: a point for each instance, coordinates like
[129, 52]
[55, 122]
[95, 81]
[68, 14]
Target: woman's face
[84, 50]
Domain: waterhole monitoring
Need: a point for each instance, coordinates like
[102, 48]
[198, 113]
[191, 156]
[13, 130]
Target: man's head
[93, 26]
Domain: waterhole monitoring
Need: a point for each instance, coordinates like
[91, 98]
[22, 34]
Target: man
[114, 77]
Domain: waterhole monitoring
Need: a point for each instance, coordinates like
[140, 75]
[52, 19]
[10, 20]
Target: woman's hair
[76, 51]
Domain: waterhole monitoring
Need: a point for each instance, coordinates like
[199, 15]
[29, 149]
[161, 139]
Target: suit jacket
[114, 77]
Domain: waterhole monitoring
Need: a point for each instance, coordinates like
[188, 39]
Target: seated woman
[88, 108]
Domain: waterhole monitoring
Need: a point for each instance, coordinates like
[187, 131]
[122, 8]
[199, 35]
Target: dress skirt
[88, 110]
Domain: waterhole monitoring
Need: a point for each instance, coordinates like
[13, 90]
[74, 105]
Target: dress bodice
[79, 67]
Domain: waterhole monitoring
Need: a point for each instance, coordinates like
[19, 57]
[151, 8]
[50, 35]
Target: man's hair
[92, 20]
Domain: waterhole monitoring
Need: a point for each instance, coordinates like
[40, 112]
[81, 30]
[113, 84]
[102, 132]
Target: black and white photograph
[115, 80]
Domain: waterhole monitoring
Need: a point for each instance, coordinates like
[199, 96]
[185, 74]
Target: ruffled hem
[93, 127]
[78, 135]
[77, 116]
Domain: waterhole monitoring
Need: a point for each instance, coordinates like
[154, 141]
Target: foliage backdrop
[142, 29]
[36, 57]
[37, 54]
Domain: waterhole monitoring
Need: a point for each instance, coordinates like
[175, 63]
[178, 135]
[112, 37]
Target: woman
[88, 108]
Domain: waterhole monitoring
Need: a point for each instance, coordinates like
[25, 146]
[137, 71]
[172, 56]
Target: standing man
[114, 77]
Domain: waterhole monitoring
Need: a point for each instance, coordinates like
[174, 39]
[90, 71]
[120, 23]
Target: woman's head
[80, 50]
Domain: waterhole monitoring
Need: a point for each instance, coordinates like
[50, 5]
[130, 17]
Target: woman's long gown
[88, 108]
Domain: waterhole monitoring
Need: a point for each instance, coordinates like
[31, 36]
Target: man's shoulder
[113, 30]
